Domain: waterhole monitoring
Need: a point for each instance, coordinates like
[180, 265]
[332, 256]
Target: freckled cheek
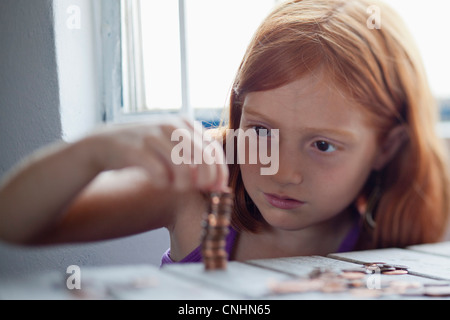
[341, 186]
[251, 177]
[250, 171]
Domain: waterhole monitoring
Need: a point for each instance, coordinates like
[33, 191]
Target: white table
[428, 265]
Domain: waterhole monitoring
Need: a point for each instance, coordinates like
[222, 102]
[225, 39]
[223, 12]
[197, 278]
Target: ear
[389, 146]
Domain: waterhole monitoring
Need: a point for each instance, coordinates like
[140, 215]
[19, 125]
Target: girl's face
[326, 152]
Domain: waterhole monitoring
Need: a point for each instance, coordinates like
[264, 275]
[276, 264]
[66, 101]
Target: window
[428, 26]
[182, 55]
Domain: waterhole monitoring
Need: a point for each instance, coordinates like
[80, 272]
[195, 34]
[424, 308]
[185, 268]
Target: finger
[203, 168]
[209, 170]
[180, 156]
[158, 172]
[220, 181]
[223, 174]
[215, 171]
[213, 154]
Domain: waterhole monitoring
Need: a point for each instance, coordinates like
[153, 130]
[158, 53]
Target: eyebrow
[326, 131]
[254, 112]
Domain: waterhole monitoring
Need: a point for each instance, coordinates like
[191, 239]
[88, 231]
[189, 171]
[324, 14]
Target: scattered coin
[320, 272]
[399, 266]
[334, 286]
[370, 264]
[387, 268]
[437, 291]
[396, 272]
[366, 293]
[296, 286]
[355, 281]
[359, 269]
[404, 288]
[353, 275]
[358, 283]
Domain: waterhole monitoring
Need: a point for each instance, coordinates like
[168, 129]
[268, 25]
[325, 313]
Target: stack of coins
[215, 230]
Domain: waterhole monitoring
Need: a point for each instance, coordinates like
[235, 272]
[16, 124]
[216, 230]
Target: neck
[320, 239]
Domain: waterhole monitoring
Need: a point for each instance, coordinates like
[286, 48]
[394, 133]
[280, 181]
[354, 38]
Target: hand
[150, 147]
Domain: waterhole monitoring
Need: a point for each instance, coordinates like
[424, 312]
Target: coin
[399, 266]
[437, 291]
[386, 268]
[218, 253]
[359, 269]
[215, 228]
[334, 286]
[404, 288]
[220, 265]
[373, 267]
[358, 283]
[213, 245]
[320, 272]
[369, 264]
[212, 220]
[215, 237]
[395, 272]
[222, 221]
[214, 262]
[296, 286]
[353, 275]
[366, 293]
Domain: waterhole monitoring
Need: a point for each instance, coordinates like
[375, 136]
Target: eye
[261, 131]
[324, 146]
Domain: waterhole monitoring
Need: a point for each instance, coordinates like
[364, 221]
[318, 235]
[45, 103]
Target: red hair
[381, 70]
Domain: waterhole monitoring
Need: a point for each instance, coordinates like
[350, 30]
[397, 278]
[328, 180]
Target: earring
[366, 206]
[371, 206]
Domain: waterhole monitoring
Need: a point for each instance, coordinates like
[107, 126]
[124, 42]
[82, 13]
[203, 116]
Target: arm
[115, 204]
[40, 188]
[115, 182]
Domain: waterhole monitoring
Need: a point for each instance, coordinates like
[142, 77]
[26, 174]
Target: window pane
[161, 53]
[429, 26]
[218, 33]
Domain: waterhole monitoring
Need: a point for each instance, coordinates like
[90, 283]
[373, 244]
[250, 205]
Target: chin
[284, 221]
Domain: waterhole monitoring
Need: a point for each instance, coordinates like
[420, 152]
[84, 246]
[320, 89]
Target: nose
[289, 171]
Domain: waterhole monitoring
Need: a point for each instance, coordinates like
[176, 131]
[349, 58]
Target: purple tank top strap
[351, 239]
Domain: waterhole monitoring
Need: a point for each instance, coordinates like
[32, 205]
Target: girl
[315, 66]
[360, 165]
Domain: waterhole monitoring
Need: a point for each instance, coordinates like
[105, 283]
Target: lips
[282, 202]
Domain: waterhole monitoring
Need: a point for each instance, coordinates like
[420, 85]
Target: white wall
[78, 48]
[50, 92]
[29, 100]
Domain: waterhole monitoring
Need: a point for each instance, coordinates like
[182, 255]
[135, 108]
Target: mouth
[282, 202]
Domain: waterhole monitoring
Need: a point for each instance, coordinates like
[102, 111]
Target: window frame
[124, 64]
[133, 80]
